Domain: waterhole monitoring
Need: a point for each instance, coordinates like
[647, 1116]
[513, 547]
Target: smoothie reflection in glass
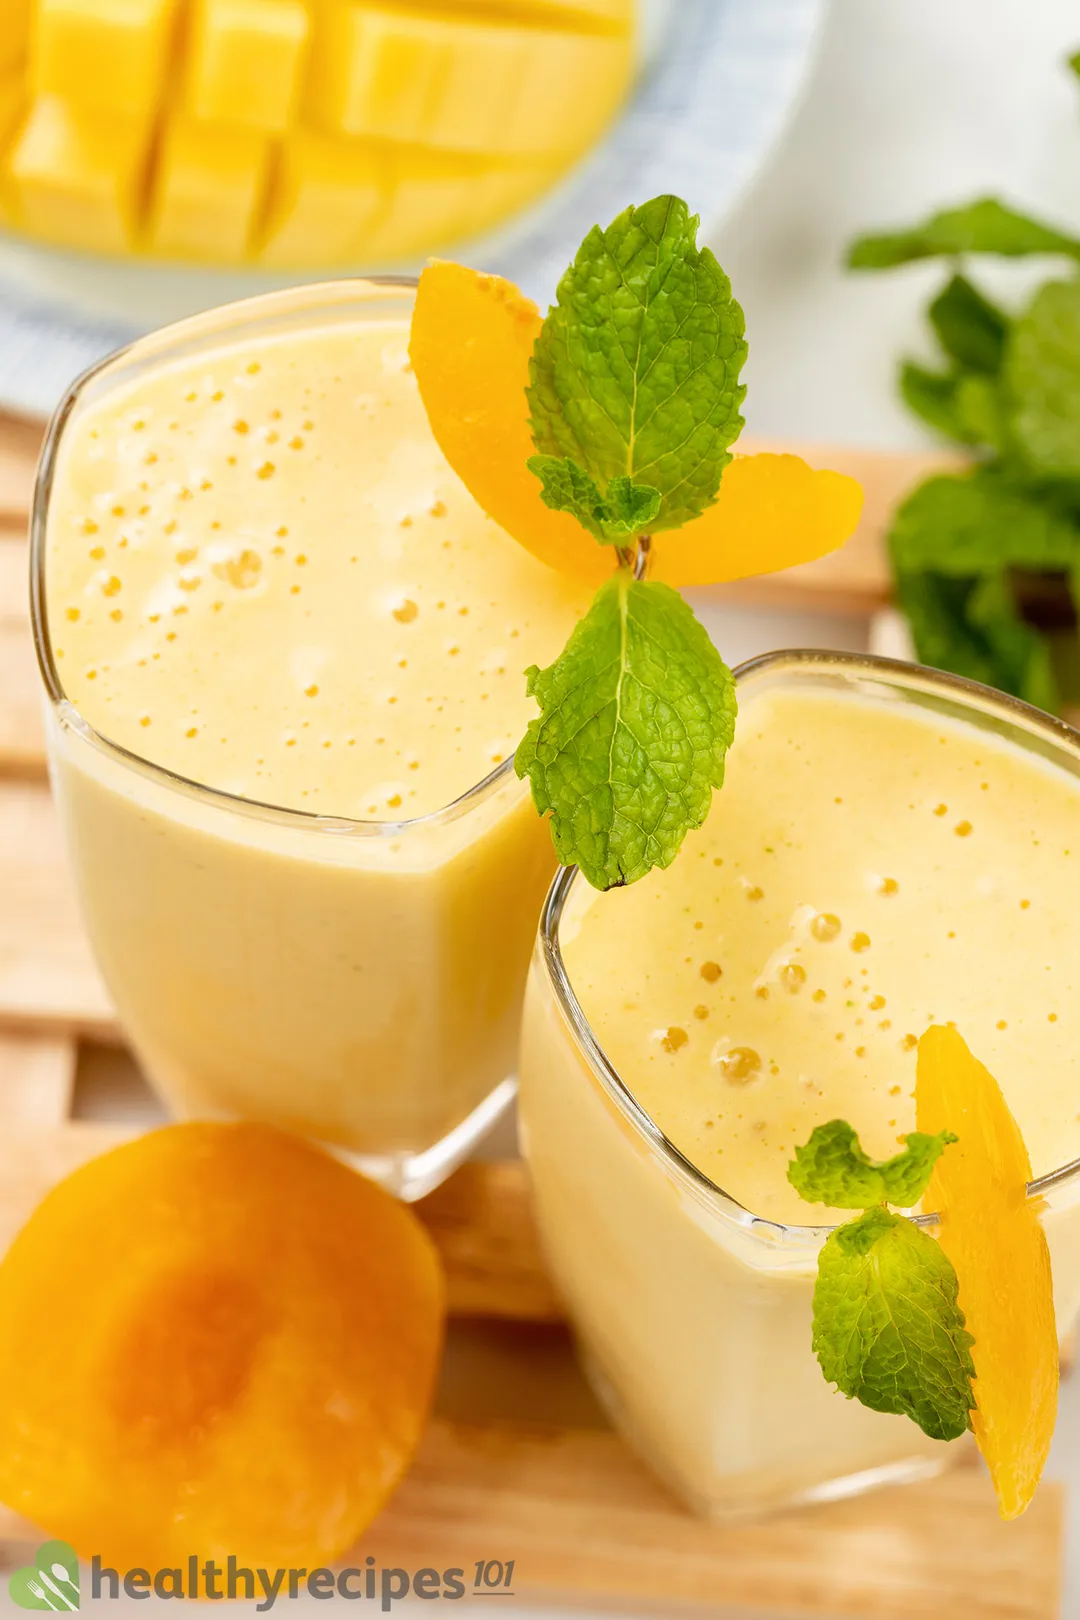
[891, 848]
[283, 649]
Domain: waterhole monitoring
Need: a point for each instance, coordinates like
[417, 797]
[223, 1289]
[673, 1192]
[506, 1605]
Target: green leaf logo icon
[50, 1582]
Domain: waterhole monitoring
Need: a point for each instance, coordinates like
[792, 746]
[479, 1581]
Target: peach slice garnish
[991, 1231]
[472, 339]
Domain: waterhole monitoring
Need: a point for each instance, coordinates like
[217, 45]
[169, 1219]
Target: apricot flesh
[215, 1339]
[991, 1231]
[472, 339]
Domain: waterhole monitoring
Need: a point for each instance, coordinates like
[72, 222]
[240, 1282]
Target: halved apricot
[991, 1231]
[472, 339]
[215, 1339]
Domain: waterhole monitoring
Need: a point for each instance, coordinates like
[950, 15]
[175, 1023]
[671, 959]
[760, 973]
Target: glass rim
[914, 677]
[316, 295]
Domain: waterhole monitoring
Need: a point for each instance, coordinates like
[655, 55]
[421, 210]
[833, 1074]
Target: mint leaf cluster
[833, 1169]
[987, 564]
[634, 400]
[636, 373]
[636, 718]
[888, 1330]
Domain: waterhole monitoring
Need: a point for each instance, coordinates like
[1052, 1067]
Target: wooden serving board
[582, 1520]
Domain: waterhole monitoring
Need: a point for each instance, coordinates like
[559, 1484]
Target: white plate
[721, 79]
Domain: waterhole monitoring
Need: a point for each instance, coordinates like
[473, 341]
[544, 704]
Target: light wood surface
[584, 1522]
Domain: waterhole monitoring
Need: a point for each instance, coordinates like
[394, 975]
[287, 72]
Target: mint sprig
[634, 400]
[637, 715]
[636, 372]
[888, 1330]
[833, 1169]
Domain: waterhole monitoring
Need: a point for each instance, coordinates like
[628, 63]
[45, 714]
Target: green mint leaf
[1074, 63]
[613, 517]
[636, 371]
[987, 226]
[637, 715]
[1042, 373]
[970, 329]
[933, 395]
[979, 522]
[981, 410]
[971, 627]
[833, 1169]
[888, 1330]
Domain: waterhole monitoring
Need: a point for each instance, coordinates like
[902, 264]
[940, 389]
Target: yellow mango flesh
[245, 62]
[398, 125]
[208, 186]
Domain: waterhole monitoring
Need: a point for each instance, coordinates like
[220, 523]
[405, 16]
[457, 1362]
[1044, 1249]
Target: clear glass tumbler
[693, 1313]
[359, 982]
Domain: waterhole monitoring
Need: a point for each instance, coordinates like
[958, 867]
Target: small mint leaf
[630, 507]
[987, 226]
[833, 1169]
[888, 1330]
[636, 371]
[612, 518]
[637, 715]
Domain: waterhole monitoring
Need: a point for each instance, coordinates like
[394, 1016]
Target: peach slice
[472, 339]
[215, 1339]
[992, 1233]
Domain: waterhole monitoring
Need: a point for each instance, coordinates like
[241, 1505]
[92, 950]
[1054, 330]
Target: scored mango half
[296, 133]
[991, 1231]
[473, 336]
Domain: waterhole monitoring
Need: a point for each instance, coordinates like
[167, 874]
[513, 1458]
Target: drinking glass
[693, 1313]
[359, 982]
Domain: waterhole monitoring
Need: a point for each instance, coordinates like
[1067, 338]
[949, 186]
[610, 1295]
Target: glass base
[756, 1502]
[410, 1176]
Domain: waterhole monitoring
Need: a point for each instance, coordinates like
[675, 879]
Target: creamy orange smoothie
[874, 863]
[262, 578]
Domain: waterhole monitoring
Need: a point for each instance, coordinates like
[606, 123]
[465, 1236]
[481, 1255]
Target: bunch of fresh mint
[987, 562]
[888, 1330]
[634, 403]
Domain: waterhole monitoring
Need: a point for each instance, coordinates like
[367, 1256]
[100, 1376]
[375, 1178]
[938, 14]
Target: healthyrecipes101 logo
[50, 1582]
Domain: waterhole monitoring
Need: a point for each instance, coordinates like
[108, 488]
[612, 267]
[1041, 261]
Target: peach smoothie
[887, 852]
[288, 652]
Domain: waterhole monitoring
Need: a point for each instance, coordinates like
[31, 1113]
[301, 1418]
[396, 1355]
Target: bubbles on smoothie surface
[213, 518]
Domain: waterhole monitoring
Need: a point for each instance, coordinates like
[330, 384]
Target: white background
[915, 104]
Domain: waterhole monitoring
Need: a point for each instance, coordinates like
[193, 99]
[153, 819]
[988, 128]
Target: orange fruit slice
[215, 1339]
[472, 339]
[991, 1231]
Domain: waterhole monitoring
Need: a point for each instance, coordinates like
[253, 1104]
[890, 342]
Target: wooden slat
[37, 1076]
[584, 1522]
[582, 1519]
[20, 442]
[481, 1220]
[21, 740]
[48, 980]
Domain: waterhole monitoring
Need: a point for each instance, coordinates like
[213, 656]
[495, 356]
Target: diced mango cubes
[108, 55]
[244, 62]
[209, 184]
[75, 179]
[297, 133]
[460, 82]
[328, 193]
